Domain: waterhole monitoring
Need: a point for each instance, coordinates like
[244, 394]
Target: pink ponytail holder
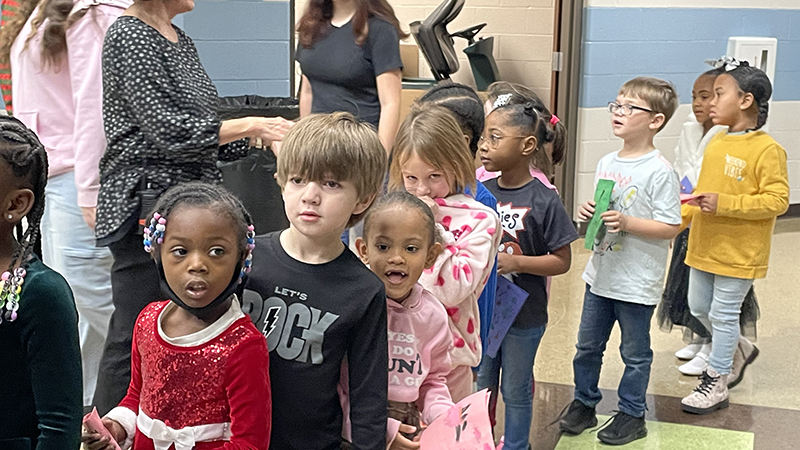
[554, 120]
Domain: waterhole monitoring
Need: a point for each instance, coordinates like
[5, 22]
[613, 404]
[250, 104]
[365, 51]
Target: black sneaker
[577, 418]
[622, 429]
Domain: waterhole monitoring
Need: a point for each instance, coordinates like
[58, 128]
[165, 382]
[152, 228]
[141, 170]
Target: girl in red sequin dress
[199, 368]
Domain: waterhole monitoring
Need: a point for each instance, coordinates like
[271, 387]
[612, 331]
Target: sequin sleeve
[130, 403]
[249, 395]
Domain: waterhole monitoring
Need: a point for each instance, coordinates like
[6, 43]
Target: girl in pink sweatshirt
[399, 243]
[432, 161]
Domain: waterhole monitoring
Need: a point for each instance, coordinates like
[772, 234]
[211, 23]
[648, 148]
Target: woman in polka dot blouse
[159, 108]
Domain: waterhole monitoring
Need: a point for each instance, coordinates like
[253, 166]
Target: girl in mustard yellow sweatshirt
[743, 187]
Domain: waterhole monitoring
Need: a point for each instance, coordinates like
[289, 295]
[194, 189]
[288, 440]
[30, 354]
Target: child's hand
[615, 221]
[431, 204]
[708, 203]
[505, 263]
[586, 211]
[93, 441]
[403, 443]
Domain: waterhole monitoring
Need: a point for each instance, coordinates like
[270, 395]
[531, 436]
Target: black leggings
[134, 284]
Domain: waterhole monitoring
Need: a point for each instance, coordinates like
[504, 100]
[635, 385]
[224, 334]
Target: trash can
[252, 178]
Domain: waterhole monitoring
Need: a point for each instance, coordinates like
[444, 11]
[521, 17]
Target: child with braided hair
[199, 368]
[742, 188]
[38, 319]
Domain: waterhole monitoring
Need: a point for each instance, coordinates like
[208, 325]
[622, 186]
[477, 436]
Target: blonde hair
[334, 145]
[433, 134]
[659, 94]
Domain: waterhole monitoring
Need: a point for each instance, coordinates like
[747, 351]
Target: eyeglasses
[494, 140]
[627, 109]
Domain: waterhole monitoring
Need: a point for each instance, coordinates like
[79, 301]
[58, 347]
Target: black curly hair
[213, 197]
[754, 81]
[408, 201]
[465, 105]
[521, 95]
[27, 158]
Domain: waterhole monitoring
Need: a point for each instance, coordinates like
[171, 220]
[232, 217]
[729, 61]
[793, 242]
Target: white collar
[208, 333]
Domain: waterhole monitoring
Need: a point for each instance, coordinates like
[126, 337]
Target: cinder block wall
[243, 44]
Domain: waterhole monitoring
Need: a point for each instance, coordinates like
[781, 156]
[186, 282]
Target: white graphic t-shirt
[624, 266]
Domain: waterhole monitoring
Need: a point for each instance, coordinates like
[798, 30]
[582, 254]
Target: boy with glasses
[625, 275]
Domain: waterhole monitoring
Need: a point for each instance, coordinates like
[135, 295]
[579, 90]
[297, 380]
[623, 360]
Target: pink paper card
[686, 198]
[93, 424]
[465, 426]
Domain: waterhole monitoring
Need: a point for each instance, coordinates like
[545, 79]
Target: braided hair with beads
[199, 194]
[27, 159]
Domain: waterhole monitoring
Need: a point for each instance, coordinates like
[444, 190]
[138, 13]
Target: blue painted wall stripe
[244, 45]
[672, 43]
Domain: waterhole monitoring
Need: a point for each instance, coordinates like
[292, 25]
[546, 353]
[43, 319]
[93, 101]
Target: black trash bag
[252, 178]
[674, 307]
[255, 105]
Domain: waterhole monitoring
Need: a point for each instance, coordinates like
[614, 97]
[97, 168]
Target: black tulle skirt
[674, 307]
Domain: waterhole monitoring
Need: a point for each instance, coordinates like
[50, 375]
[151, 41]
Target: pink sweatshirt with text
[471, 238]
[419, 356]
[419, 359]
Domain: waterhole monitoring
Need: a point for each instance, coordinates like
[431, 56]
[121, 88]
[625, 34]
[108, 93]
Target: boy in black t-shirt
[313, 299]
[537, 233]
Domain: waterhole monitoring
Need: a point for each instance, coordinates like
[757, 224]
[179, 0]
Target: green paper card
[602, 199]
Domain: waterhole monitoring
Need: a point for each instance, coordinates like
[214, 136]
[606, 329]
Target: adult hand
[708, 203]
[89, 216]
[615, 221]
[268, 129]
[505, 263]
[586, 211]
[94, 441]
[403, 443]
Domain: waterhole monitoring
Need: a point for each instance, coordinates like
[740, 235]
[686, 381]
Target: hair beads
[9, 294]
[155, 232]
[158, 225]
[251, 244]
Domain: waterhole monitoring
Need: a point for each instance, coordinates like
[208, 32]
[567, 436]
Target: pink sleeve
[343, 388]
[481, 174]
[249, 396]
[461, 268]
[85, 43]
[392, 428]
[434, 397]
[128, 409]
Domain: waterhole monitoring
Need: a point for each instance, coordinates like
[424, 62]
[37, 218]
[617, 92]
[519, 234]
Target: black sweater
[314, 316]
[160, 118]
[41, 404]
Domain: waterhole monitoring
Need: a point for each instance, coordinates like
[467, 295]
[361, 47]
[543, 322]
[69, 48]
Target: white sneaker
[709, 396]
[695, 367]
[688, 352]
[698, 364]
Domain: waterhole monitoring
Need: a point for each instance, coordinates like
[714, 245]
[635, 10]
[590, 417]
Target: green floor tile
[666, 436]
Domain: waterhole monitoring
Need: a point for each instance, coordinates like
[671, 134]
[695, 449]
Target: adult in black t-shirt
[314, 316]
[350, 59]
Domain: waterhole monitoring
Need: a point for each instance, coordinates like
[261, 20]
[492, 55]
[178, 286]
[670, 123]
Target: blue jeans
[68, 247]
[597, 320]
[716, 301]
[515, 358]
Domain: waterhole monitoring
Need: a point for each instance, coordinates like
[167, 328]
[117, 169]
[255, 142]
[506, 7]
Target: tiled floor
[765, 407]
